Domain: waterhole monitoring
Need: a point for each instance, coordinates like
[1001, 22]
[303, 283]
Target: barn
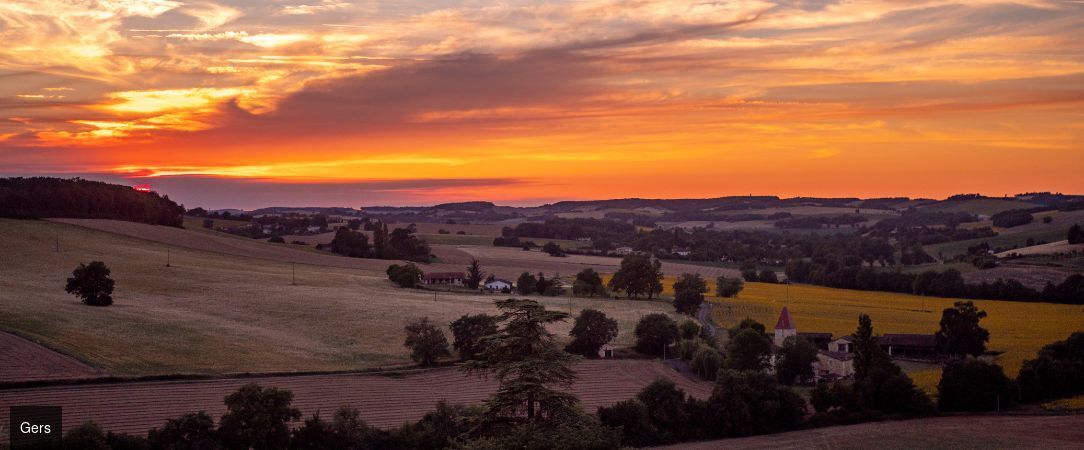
[444, 279]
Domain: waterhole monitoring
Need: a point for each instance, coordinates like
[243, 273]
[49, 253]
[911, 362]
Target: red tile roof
[784, 322]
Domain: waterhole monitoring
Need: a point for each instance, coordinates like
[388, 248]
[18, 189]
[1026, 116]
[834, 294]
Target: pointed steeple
[784, 322]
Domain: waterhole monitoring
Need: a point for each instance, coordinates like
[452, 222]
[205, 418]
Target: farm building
[499, 285]
[623, 251]
[444, 278]
[606, 351]
[680, 251]
[909, 345]
[834, 358]
[832, 364]
[784, 328]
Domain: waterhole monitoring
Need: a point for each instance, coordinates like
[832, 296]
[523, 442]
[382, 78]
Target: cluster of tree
[743, 403]
[637, 276]
[401, 243]
[949, 283]
[38, 197]
[224, 215]
[1012, 218]
[1057, 371]
[553, 249]
[513, 241]
[560, 228]
[880, 388]
[407, 275]
[720, 216]
[588, 283]
[817, 222]
[749, 273]
[528, 284]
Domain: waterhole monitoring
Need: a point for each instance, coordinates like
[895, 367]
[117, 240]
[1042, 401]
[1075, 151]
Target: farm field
[384, 400]
[1015, 237]
[982, 206]
[1017, 329]
[215, 313]
[22, 360]
[957, 432]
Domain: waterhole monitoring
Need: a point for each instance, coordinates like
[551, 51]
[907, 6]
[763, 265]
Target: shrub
[91, 282]
[1011, 218]
[634, 420]
[189, 431]
[1057, 371]
[257, 417]
[748, 350]
[276, 240]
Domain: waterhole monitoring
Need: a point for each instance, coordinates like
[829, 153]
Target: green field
[217, 313]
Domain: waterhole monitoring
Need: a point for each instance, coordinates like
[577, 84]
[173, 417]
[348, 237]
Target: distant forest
[40, 197]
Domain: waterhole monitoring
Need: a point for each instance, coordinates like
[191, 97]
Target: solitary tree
[468, 332]
[728, 287]
[960, 333]
[426, 342]
[654, 333]
[91, 282]
[258, 418]
[1076, 234]
[350, 243]
[591, 330]
[796, 360]
[474, 274]
[868, 355]
[638, 276]
[689, 292]
[748, 350]
[527, 363]
[526, 284]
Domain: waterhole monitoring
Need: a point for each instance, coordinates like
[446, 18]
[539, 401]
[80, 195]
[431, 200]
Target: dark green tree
[748, 350]
[1076, 234]
[588, 283]
[468, 332]
[347, 242]
[654, 333]
[868, 355]
[689, 290]
[634, 420]
[426, 342]
[974, 385]
[960, 333]
[257, 418]
[191, 431]
[475, 275]
[92, 283]
[666, 406]
[528, 364]
[526, 284]
[728, 287]
[637, 276]
[746, 323]
[706, 362]
[750, 402]
[796, 360]
[591, 330]
[407, 275]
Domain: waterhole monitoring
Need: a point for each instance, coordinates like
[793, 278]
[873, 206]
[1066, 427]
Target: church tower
[784, 328]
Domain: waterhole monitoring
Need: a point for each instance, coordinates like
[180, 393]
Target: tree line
[41, 197]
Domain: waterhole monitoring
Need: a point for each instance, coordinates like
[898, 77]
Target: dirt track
[384, 401]
[22, 360]
[961, 432]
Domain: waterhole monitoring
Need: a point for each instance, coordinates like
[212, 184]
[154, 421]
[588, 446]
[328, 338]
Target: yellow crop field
[1065, 404]
[1017, 329]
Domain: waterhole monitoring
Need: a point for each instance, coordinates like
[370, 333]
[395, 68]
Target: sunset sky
[249, 103]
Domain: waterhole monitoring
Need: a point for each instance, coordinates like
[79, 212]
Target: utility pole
[167, 257]
[293, 274]
[58, 242]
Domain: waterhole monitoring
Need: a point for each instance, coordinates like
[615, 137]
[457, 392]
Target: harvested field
[384, 401]
[1053, 248]
[21, 359]
[216, 313]
[960, 432]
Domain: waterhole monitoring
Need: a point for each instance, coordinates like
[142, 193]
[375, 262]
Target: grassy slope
[1017, 329]
[216, 313]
